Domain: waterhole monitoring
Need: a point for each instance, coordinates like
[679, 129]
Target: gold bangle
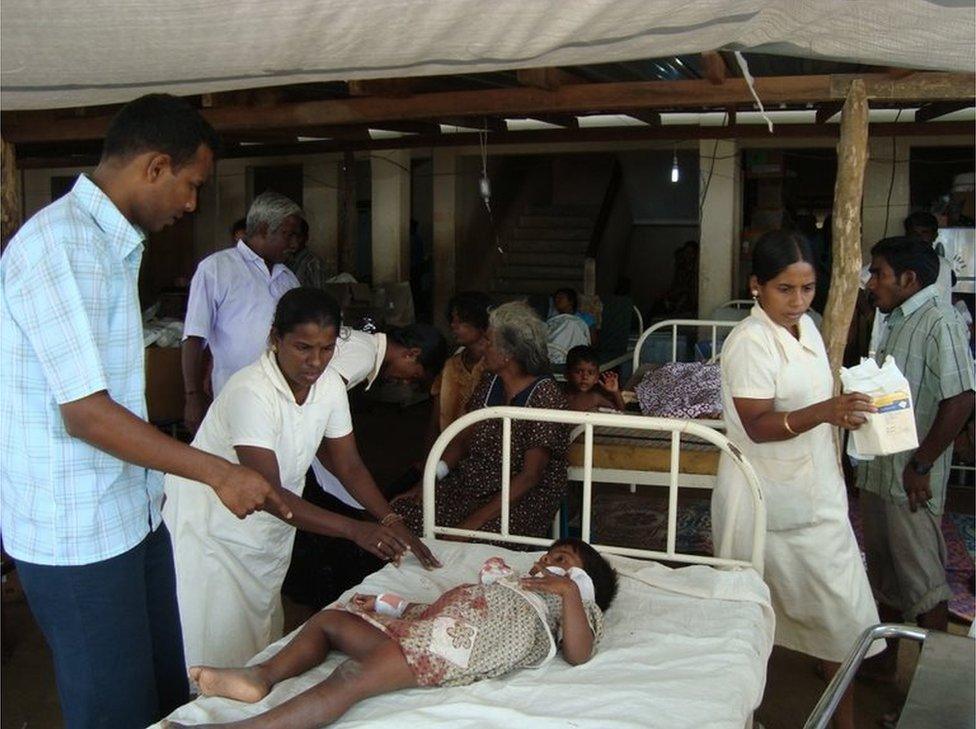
[390, 518]
[786, 424]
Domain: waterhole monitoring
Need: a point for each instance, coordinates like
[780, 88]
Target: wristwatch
[920, 468]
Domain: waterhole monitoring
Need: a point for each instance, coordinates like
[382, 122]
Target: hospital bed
[682, 647]
[643, 457]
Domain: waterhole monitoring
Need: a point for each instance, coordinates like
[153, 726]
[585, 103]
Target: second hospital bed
[643, 457]
[683, 647]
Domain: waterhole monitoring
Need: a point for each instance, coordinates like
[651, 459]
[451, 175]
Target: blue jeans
[114, 629]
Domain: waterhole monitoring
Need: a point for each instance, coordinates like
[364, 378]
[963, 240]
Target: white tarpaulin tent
[55, 53]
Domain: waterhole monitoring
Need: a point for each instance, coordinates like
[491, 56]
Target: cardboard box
[164, 384]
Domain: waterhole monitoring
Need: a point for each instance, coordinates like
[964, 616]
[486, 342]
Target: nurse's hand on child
[415, 545]
[379, 540]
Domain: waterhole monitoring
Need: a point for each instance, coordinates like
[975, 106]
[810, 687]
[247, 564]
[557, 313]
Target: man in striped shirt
[903, 495]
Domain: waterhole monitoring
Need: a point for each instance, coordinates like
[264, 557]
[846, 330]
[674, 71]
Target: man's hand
[244, 491]
[917, 487]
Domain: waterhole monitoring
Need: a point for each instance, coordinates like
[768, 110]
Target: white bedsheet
[682, 648]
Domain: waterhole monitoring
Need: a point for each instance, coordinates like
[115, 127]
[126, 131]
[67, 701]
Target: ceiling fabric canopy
[57, 54]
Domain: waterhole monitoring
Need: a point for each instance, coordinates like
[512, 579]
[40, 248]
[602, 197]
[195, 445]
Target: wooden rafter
[394, 88]
[714, 67]
[549, 79]
[940, 108]
[64, 155]
[523, 102]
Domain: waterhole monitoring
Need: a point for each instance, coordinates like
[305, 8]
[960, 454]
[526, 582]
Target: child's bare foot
[242, 684]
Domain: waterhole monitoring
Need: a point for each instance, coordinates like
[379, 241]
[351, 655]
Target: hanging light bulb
[674, 167]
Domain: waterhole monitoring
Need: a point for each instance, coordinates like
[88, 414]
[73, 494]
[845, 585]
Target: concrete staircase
[544, 251]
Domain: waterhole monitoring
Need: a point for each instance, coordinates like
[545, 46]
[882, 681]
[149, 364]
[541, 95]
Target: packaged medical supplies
[689, 390]
[892, 428]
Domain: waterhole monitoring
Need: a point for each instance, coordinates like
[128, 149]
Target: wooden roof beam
[32, 156]
[607, 98]
[714, 67]
[940, 108]
[548, 79]
[393, 88]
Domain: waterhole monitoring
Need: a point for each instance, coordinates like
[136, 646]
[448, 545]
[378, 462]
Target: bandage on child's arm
[390, 604]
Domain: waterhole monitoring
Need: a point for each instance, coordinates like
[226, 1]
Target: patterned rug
[636, 520]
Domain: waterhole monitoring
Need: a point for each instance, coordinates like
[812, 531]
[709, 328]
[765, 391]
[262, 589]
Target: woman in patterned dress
[472, 632]
[469, 497]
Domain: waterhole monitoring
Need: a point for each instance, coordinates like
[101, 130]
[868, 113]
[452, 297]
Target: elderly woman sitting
[469, 497]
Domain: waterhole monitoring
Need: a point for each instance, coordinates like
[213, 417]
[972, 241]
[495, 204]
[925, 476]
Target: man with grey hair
[233, 297]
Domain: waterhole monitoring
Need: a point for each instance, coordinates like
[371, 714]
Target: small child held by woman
[586, 389]
[472, 632]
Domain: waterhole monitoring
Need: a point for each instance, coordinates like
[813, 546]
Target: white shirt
[232, 303]
[229, 571]
[817, 582]
[257, 408]
[358, 357]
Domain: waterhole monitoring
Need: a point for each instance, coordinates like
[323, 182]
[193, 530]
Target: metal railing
[590, 420]
[712, 324]
[823, 712]
[738, 304]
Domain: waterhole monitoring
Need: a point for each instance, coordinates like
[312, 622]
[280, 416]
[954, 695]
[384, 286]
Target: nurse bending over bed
[777, 392]
[273, 416]
[502, 622]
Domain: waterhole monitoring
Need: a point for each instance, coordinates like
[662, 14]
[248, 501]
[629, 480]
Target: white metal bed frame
[738, 304]
[673, 324]
[588, 421]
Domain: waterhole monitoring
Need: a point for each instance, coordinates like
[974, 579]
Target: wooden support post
[852, 158]
[10, 193]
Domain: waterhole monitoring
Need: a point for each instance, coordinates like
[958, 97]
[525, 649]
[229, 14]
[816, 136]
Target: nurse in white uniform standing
[273, 416]
[777, 394]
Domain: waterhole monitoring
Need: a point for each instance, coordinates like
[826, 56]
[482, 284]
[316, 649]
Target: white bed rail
[738, 304]
[673, 324]
[590, 420]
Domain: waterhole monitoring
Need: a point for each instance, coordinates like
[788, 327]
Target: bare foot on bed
[242, 684]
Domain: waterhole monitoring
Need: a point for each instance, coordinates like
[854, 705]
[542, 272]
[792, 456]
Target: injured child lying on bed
[472, 632]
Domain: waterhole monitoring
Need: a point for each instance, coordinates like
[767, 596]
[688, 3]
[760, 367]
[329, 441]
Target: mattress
[682, 648]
